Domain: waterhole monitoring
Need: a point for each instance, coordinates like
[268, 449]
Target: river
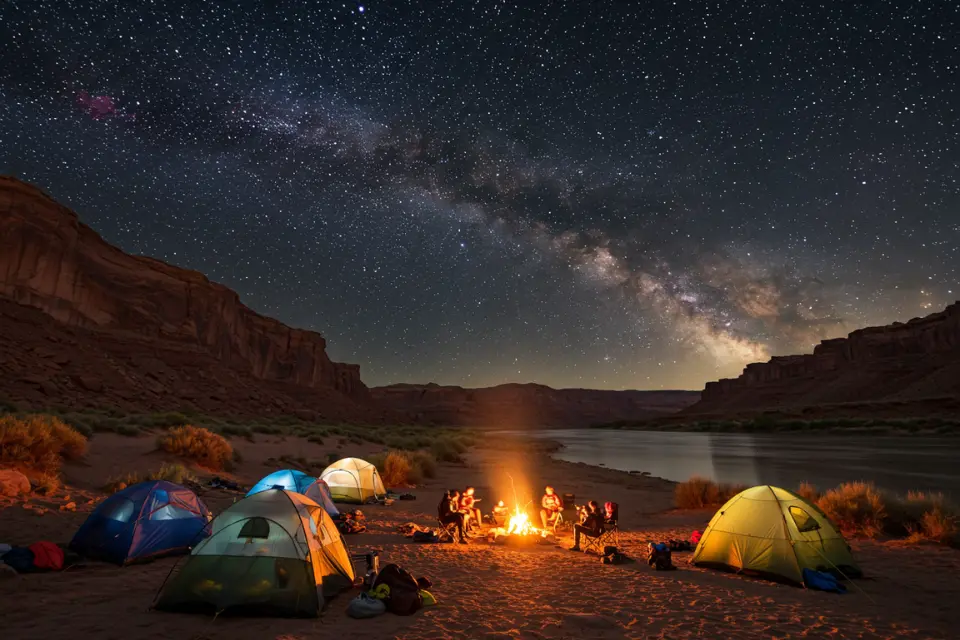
[897, 463]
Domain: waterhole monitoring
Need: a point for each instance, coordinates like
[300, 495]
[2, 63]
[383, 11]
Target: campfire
[519, 525]
[519, 529]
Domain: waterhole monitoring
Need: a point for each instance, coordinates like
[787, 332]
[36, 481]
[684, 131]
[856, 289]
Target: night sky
[599, 194]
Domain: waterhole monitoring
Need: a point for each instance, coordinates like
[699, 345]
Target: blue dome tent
[141, 522]
[286, 479]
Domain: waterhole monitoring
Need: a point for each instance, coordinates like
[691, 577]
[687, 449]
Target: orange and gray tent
[774, 533]
[353, 480]
[275, 552]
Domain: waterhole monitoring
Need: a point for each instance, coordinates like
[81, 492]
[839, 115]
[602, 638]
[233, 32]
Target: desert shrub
[697, 493]
[176, 473]
[923, 516]
[237, 430]
[38, 444]
[447, 450]
[79, 425]
[396, 468]
[45, 483]
[940, 526]
[268, 429]
[161, 420]
[208, 449]
[808, 492]
[403, 467]
[425, 463]
[333, 456]
[857, 508]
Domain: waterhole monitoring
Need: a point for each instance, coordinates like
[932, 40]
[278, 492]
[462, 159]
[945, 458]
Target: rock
[70, 506]
[49, 388]
[13, 483]
[903, 361]
[52, 261]
[89, 383]
[92, 306]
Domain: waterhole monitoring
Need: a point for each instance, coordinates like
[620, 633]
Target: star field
[611, 195]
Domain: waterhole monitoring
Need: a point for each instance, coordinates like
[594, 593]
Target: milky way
[621, 195]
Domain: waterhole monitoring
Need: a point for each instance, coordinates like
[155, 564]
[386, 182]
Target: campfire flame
[519, 525]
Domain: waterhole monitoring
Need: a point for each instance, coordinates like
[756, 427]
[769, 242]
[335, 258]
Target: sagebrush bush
[697, 493]
[808, 492]
[425, 463]
[857, 508]
[175, 473]
[399, 468]
[447, 450]
[201, 445]
[38, 444]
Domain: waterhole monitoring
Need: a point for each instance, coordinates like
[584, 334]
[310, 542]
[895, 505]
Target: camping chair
[555, 522]
[609, 533]
[446, 531]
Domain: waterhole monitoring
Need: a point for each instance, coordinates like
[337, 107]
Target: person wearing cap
[550, 507]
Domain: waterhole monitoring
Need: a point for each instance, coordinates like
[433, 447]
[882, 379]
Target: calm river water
[897, 463]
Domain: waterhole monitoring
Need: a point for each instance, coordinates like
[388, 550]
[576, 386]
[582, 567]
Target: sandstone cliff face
[909, 361]
[528, 405]
[52, 262]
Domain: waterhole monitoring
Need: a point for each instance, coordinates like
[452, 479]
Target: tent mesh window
[804, 521]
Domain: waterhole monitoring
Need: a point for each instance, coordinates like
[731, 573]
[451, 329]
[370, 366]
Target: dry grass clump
[175, 473]
[697, 493]
[201, 445]
[399, 468]
[808, 492]
[38, 445]
[856, 508]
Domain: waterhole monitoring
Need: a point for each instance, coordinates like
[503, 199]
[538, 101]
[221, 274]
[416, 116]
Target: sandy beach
[483, 590]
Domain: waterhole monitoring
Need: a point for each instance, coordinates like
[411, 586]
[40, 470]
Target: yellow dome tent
[275, 552]
[353, 480]
[776, 534]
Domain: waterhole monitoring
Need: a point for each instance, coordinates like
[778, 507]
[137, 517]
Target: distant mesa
[914, 366]
[519, 405]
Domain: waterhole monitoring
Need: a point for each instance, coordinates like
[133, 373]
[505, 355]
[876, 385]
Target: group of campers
[460, 509]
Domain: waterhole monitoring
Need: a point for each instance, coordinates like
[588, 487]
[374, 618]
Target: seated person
[468, 506]
[591, 526]
[500, 513]
[610, 512]
[449, 513]
[550, 507]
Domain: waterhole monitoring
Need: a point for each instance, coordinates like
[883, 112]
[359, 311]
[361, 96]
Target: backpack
[404, 598]
[660, 557]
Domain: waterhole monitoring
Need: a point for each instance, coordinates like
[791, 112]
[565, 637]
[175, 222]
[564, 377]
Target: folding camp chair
[609, 533]
[446, 531]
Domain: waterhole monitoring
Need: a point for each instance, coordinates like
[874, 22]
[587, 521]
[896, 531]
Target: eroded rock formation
[139, 317]
[911, 361]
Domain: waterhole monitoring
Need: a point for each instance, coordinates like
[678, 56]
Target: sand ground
[484, 591]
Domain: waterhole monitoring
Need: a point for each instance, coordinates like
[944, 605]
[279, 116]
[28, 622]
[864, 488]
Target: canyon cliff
[528, 405]
[908, 363]
[133, 331]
